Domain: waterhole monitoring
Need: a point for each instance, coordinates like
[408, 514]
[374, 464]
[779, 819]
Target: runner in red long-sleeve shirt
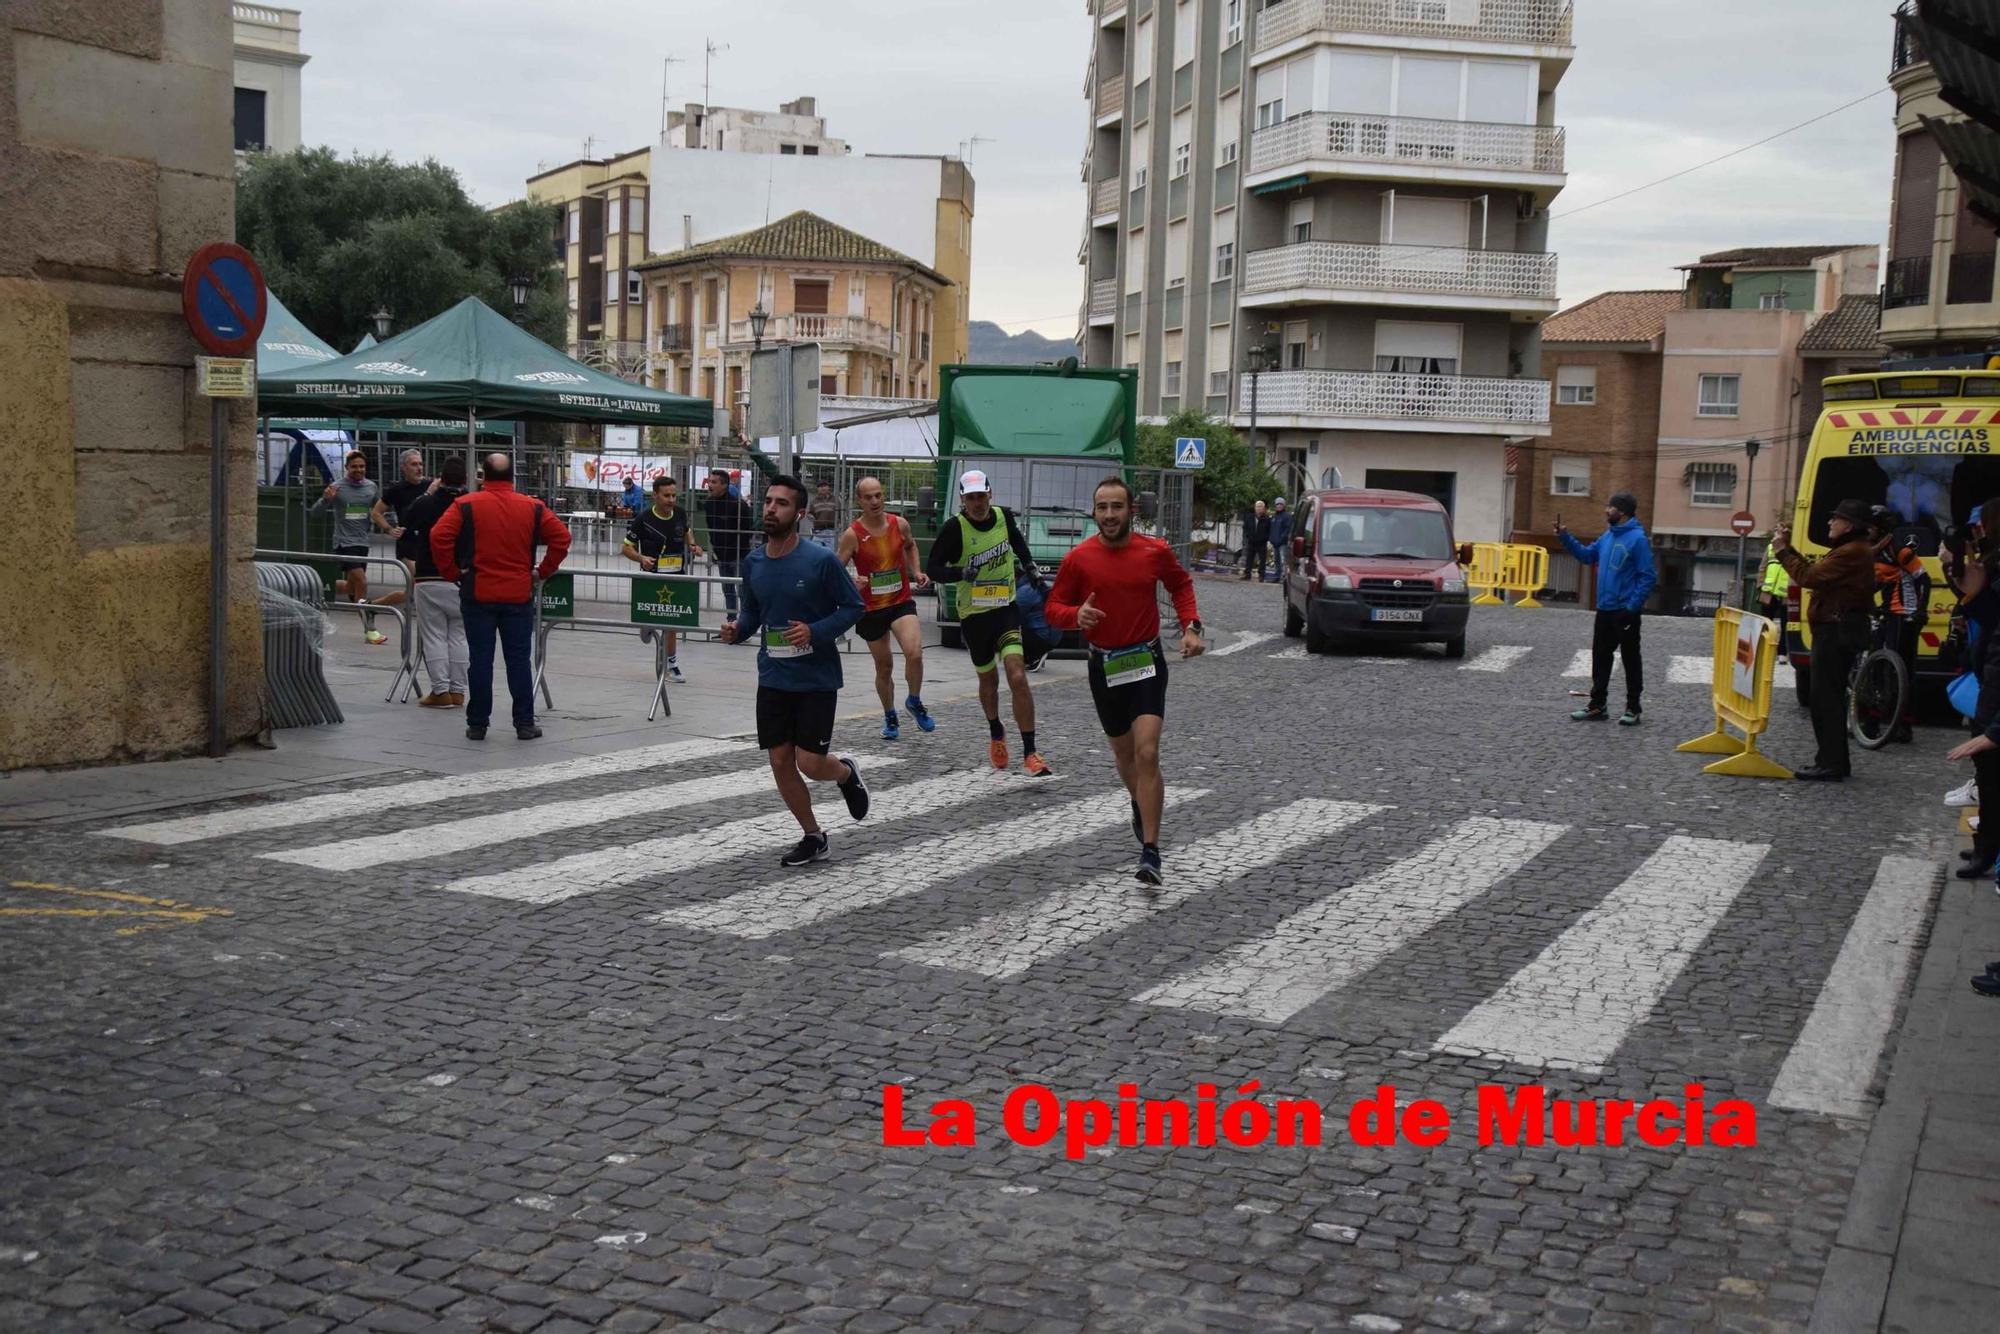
[1128, 668]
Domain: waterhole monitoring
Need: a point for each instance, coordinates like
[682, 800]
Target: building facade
[124, 103]
[1604, 360]
[795, 128]
[1938, 296]
[1846, 340]
[268, 61]
[601, 236]
[873, 310]
[1332, 215]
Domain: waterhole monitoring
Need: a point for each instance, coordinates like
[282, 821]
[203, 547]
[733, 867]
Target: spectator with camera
[1839, 589]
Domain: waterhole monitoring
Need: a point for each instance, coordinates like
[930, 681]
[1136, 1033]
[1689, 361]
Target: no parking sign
[223, 298]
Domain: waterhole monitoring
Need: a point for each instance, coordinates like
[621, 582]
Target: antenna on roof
[965, 146]
[714, 50]
[666, 67]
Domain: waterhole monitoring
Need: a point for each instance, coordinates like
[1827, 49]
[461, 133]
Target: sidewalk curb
[1854, 1286]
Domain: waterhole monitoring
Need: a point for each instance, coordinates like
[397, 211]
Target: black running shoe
[811, 848]
[1138, 823]
[1149, 866]
[854, 790]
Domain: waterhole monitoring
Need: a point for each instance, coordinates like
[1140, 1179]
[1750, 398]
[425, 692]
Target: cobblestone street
[560, 1047]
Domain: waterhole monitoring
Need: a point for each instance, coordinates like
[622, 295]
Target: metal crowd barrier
[406, 670]
[1746, 655]
[295, 689]
[555, 609]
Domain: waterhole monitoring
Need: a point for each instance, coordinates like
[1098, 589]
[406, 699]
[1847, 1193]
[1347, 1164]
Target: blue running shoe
[920, 713]
[891, 729]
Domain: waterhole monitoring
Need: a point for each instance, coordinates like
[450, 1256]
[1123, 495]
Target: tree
[338, 237]
[1231, 479]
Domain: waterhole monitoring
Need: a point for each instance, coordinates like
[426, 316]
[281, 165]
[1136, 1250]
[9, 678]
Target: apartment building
[1939, 296]
[267, 65]
[1604, 359]
[1335, 212]
[601, 236]
[1733, 374]
[873, 310]
[795, 128]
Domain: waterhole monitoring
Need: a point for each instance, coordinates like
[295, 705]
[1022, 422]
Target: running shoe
[1138, 823]
[891, 729]
[1588, 715]
[1629, 718]
[1037, 766]
[1965, 794]
[674, 671]
[923, 715]
[1149, 866]
[854, 791]
[376, 637]
[811, 848]
[997, 749]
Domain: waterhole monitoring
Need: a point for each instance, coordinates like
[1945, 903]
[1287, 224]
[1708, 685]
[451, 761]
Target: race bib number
[670, 564]
[884, 582]
[1129, 666]
[777, 646]
[992, 595]
[354, 512]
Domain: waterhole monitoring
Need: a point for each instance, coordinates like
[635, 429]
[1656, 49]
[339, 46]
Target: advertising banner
[607, 472]
[675, 603]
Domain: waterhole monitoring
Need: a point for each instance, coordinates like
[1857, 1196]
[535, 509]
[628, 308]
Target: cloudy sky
[498, 88]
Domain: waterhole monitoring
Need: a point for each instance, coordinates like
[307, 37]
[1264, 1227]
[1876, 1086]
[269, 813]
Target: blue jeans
[515, 622]
[729, 569]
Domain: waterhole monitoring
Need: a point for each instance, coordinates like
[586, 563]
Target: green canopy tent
[367, 341]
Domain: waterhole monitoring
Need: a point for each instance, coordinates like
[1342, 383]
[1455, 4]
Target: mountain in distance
[990, 345]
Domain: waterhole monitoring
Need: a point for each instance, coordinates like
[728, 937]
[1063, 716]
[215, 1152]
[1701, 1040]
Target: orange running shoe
[998, 750]
[1036, 765]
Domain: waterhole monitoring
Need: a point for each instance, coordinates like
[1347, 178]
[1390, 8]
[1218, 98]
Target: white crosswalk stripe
[1498, 658]
[1575, 1002]
[608, 868]
[479, 831]
[1012, 942]
[1296, 652]
[1683, 669]
[1831, 1065]
[1336, 940]
[788, 904]
[316, 811]
[1247, 641]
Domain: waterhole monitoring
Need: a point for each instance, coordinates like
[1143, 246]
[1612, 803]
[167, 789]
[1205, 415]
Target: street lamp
[1255, 357]
[382, 319]
[519, 288]
[1750, 448]
[759, 317]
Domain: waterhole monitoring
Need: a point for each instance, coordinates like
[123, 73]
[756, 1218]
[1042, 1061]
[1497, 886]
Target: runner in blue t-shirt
[797, 600]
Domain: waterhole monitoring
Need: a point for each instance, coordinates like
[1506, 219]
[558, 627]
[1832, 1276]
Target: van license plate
[1395, 614]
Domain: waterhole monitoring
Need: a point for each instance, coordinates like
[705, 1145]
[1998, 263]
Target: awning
[1726, 471]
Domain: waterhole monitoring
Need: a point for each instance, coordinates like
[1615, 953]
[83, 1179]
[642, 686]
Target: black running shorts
[801, 718]
[874, 624]
[990, 634]
[346, 565]
[1117, 706]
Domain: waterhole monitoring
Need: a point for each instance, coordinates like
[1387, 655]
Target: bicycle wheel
[1875, 705]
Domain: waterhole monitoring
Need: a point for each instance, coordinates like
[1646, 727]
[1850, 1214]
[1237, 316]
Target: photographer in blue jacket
[1625, 579]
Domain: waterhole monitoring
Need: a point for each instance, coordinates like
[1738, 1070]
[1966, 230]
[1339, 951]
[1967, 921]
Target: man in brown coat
[1840, 589]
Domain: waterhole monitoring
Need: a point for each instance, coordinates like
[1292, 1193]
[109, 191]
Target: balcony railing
[1439, 270]
[1109, 9]
[1111, 95]
[1969, 282]
[1104, 299]
[674, 338]
[1371, 395]
[1104, 197]
[1907, 282]
[816, 329]
[854, 405]
[1349, 136]
[1908, 49]
[1543, 22]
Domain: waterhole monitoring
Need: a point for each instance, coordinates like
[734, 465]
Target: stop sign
[1742, 523]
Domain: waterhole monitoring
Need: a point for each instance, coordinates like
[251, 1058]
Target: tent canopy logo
[554, 377]
[390, 368]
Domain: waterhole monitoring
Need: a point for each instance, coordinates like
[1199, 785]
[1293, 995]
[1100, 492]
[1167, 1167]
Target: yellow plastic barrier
[1749, 713]
[1503, 567]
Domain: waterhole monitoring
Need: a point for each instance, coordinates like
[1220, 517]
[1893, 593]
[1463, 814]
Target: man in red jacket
[1128, 668]
[485, 543]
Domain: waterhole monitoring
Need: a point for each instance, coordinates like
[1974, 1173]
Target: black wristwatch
[1194, 626]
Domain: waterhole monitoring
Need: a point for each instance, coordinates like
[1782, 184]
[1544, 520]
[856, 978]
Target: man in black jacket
[729, 528]
[1256, 538]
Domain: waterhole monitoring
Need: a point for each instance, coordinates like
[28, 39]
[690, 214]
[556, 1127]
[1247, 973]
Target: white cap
[973, 481]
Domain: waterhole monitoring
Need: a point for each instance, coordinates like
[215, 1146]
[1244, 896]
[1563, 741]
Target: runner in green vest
[983, 551]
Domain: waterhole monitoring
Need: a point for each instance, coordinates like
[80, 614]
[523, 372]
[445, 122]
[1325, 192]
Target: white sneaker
[1966, 794]
[674, 672]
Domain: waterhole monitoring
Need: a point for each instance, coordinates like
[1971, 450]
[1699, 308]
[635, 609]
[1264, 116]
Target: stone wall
[116, 163]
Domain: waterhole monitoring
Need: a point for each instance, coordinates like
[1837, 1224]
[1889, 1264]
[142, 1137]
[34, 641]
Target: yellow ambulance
[1925, 443]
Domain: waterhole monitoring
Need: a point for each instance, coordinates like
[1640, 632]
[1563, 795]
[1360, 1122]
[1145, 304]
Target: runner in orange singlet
[884, 556]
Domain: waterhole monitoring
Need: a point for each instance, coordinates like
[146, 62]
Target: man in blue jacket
[797, 600]
[1281, 536]
[1625, 579]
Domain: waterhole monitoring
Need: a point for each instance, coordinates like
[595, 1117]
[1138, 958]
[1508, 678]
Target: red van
[1374, 567]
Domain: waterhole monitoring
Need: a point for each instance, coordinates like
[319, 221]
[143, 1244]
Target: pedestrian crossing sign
[1190, 451]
